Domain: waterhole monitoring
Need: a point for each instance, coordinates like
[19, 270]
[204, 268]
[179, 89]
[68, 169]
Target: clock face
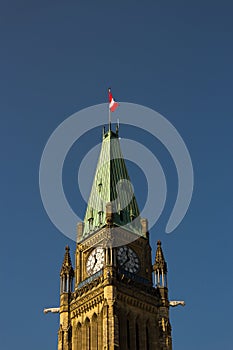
[128, 259]
[95, 261]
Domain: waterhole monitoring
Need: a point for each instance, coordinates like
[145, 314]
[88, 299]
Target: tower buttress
[160, 268]
[160, 277]
[66, 285]
[66, 274]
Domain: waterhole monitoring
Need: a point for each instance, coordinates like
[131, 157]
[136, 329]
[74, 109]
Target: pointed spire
[111, 185]
[67, 264]
[160, 262]
[160, 267]
[67, 273]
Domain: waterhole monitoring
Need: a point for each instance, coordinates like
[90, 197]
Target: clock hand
[127, 258]
[94, 262]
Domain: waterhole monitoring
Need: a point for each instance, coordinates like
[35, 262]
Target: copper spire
[111, 184]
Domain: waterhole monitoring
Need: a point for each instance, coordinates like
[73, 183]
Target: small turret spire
[160, 267]
[67, 273]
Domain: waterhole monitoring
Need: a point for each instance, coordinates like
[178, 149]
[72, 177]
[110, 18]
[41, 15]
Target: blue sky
[58, 57]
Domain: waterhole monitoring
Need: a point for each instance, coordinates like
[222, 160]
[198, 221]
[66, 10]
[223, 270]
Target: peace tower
[119, 299]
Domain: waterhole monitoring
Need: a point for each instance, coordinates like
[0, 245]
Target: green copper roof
[111, 184]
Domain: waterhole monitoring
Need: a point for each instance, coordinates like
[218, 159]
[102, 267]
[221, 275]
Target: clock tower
[119, 298]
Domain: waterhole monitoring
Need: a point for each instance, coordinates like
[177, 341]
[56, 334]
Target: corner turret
[160, 277]
[160, 267]
[66, 274]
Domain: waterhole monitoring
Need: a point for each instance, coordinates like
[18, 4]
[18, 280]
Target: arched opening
[79, 336]
[147, 337]
[128, 334]
[88, 334]
[137, 336]
[100, 330]
[94, 332]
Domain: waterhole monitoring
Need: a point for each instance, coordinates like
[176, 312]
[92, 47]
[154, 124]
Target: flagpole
[109, 118]
[109, 110]
[112, 106]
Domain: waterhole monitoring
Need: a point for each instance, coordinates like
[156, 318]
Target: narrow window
[91, 223]
[88, 334]
[137, 337]
[128, 335]
[100, 186]
[94, 331]
[79, 337]
[100, 217]
[65, 284]
[89, 337]
[147, 339]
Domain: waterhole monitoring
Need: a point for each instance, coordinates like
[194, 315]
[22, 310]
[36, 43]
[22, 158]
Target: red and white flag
[112, 103]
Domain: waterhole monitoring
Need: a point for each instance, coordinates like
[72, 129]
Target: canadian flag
[112, 103]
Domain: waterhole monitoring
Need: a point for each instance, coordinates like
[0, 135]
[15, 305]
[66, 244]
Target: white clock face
[128, 259]
[95, 261]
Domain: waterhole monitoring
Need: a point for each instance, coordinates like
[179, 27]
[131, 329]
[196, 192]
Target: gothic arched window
[147, 337]
[94, 332]
[79, 336]
[88, 333]
[128, 334]
[137, 337]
